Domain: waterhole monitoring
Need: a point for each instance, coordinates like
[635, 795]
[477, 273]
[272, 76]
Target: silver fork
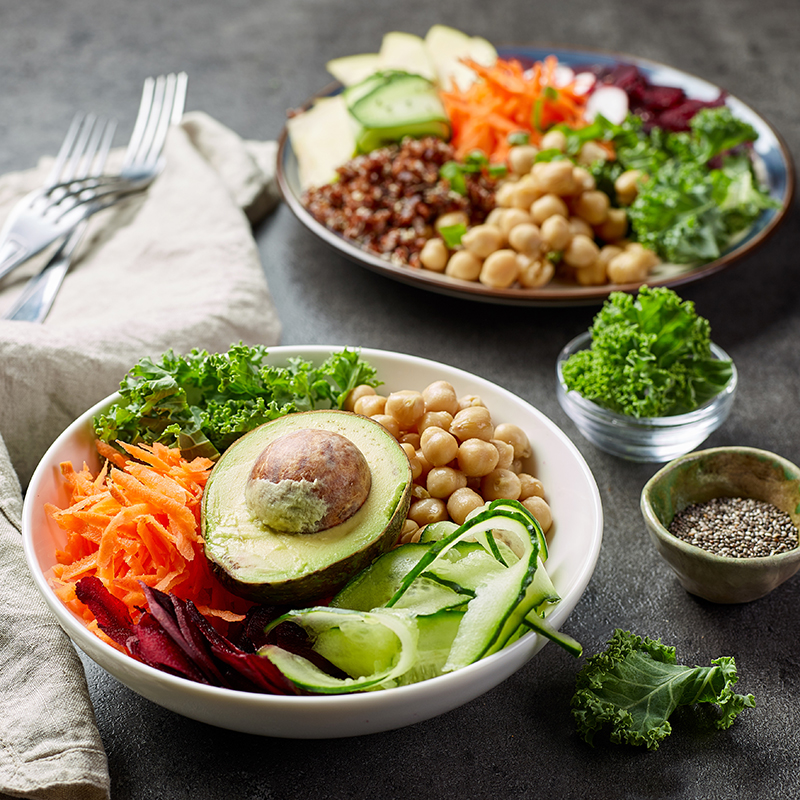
[161, 106]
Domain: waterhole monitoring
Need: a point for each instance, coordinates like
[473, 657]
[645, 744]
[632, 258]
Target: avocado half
[295, 508]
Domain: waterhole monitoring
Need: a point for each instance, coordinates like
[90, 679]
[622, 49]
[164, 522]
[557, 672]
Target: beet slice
[112, 615]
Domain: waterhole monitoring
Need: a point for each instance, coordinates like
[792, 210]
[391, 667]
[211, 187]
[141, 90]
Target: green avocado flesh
[272, 566]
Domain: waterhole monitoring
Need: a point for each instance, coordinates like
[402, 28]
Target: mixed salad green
[202, 402]
[650, 356]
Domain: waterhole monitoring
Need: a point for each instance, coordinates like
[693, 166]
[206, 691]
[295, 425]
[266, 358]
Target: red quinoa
[388, 200]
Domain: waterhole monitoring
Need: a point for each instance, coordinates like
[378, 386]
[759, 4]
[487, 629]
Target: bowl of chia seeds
[726, 521]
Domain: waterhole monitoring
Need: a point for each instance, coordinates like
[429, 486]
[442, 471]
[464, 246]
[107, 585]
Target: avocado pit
[307, 481]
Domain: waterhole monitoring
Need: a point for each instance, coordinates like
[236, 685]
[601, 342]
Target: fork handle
[39, 293]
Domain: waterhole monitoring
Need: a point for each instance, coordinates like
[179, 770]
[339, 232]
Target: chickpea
[504, 194]
[581, 252]
[500, 269]
[410, 532]
[511, 218]
[632, 265]
[579, 225]
[607, 252]
[525, 192]
[591, 152]
[368, 405]
[469, 401]
[593, 275]
[440, 396]
[506, 453]
[473, 423]
[534, 272]
[592, 206]
[627, 186]
[555, 177]
[547, 206]
[426, 511]
[482, 240]
[406, 407]
[414, 462]
[410, 437]
[357, 391]
[526, 238]
[443, 481]
[554, 140]
[500, 483]
[584, 179]
[477, 457]
[434, 255]
[521, 158]
[494, 216]
[435, 419]
[464, 265]
[555, 232]
[450, 219]
[529, 486]
[462, 503]
[541, 510]
[425, 466]
[388, 422]
[615, 226]
[516, 437]
[438, 446]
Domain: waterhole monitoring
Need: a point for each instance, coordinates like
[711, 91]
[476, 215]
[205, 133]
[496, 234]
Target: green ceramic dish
[722, 472]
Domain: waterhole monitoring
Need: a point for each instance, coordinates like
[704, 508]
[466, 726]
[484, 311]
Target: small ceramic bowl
[722, 472]
[647, 439]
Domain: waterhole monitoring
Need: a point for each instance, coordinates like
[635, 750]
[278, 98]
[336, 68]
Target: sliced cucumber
[436, 634]
[403, 105]
[373, 647]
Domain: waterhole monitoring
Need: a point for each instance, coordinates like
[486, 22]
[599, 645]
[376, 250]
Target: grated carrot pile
[509, 99]
[138, 519]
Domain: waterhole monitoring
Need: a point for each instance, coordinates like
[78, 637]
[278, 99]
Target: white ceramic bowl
[645, 439]
[577, 534]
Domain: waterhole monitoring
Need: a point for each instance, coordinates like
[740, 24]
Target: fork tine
[64, 151]
[71, 168]
[102, 133]
[139, 126]
[171, 112]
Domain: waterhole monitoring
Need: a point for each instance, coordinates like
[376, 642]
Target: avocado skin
[321, 580]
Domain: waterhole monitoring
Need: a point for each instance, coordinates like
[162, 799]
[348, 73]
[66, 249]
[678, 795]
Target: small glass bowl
[645, 439]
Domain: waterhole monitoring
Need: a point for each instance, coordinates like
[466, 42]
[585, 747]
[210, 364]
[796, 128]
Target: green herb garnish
[650, 357]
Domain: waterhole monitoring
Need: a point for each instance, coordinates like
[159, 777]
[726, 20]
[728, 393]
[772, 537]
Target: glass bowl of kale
[645, 382]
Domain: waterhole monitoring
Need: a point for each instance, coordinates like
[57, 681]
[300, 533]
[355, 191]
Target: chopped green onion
[519, 137]
[452, 171]
[452, 234]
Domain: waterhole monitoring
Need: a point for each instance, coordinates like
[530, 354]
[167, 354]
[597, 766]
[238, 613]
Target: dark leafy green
[650, 356]
[634, 686]
[202, 402]
[686, 210]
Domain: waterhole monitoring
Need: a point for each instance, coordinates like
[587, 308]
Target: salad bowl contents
[646, 383]
[436, 621]
[614, 171]
[726, 521]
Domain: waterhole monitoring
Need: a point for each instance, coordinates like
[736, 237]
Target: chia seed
[736, 527]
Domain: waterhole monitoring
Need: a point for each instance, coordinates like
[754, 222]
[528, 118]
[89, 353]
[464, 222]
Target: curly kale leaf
[203, 402]
[650, 357]
[634, 686]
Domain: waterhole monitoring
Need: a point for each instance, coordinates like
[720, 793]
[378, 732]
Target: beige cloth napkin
[177, 268]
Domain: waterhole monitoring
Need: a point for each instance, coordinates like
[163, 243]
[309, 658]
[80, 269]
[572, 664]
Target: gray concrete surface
[248, 62]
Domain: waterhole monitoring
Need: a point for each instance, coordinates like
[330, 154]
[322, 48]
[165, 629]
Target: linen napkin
[175, 268]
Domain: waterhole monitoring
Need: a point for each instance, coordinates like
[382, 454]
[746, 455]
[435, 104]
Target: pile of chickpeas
[459, 458]
[543, 208]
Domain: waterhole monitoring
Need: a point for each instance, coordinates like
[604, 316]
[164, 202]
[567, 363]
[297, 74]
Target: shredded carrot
[507, 99]
[138, 519]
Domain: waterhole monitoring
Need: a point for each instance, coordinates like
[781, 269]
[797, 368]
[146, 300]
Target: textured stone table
[248, 62]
